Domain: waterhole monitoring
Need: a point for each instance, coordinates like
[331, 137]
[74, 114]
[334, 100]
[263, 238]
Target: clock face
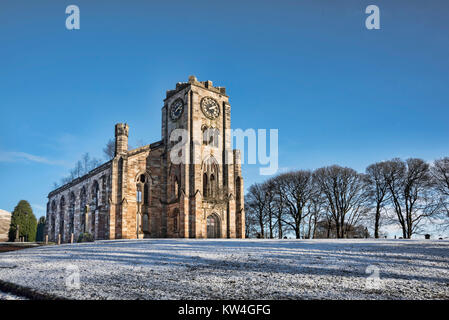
[210, 107]
[176, 109]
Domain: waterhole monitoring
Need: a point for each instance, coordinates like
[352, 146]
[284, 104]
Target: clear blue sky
[337, 92]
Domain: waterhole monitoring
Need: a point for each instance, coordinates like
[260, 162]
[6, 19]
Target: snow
[8, 296]
[235, 269]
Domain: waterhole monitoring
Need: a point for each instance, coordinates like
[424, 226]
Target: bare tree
[317, 209]
[344, 191]
[296, 190]
[250, 223]
[440, 175]
[410, 187]
[81, 168]
[85, 160]
[256, 202]
[279, 208]
[335, 201]
[78, 170]
[269, 187]
[109, 149]
[377, 189]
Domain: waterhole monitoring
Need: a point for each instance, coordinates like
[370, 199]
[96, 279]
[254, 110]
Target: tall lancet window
[205, 184]
[174, 185]
[143, 190]
[210, 178]
[61, 217]
[72, 213]
[83, 204]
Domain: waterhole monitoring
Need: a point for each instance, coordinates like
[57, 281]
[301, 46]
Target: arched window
[176, 187]
[176, 220]
[53, 220]
[61, 217]
[103, 190]
[205, 185]
[145, 194]
[173, 182]
[72, 213]
[214, 136]
[83, 204]
[212, 185]
[95, 205]
[205, 131]
[145, 223]
[139, 194]
[142, 188]
[95, 195]
[211, 136]
[210, 178]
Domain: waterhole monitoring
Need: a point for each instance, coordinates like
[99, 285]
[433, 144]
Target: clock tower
[202, 194]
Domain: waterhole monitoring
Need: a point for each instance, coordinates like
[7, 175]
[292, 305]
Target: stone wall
[5, 221]
[86, 199]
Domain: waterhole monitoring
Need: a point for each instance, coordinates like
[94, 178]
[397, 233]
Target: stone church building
[142, 193]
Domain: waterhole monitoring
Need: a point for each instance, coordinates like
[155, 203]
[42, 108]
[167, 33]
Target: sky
[337, 92]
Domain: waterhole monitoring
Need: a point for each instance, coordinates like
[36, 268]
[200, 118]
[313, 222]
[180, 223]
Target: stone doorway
[213, 226]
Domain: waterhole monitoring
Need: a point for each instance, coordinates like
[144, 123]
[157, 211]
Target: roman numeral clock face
[210, 107]
[176, 109]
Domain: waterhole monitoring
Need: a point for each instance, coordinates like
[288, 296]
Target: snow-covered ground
[8, 296]
[235, 269]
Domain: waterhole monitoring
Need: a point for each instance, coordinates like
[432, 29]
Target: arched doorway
[213, 226]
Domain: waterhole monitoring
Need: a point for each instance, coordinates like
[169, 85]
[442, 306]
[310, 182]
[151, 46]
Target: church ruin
[142, 193]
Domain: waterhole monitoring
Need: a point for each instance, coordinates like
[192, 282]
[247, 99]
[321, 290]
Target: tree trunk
[376, 222]
[280, 229]
[262, 234]
[270, 226]
[337, 228]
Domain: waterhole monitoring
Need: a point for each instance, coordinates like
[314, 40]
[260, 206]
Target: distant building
[141, 193]
[5, 221]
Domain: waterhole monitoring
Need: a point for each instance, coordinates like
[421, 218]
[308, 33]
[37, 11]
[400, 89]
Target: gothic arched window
[210, 178]
[145, 194]
[142, 188]
[205, 185]
[212, 185]
[53, 220]
[61, 217]
[175, 220]
[83, 203]
[71, 213]
[95, 195]
[205, 132]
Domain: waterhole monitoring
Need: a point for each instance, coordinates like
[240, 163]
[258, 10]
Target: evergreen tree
[40, 229]
[23, 217]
